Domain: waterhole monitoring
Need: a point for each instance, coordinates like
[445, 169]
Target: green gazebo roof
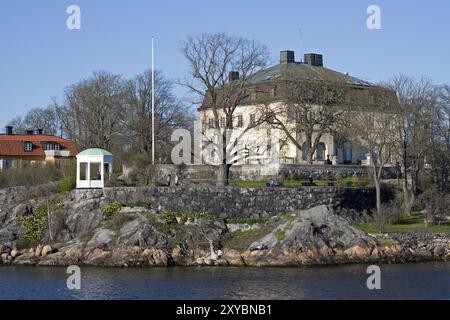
[95, 152]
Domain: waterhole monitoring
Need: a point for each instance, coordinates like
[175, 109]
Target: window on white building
[83, 171]
[273, 92]
[320, 151]
[211, 123]
[252, 119]
[240, 121]
[95, 171]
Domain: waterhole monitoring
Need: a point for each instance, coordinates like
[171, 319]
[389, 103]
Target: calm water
[413, 281]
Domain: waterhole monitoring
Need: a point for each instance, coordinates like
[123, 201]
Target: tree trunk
[415, 177]
[309, 151]
[223, 168]
[50, 223]
[223, 171]
[407, 198]
[376, 181]
[309, 158]
[378, 195]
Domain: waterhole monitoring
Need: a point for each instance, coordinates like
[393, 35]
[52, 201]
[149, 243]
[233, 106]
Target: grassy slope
[241, 240]
[409, 224]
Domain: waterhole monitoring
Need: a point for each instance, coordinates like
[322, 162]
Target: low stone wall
[221, 201]
[206, 175]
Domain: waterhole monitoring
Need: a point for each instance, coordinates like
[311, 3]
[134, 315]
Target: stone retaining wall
[221, 201]
[206, 175]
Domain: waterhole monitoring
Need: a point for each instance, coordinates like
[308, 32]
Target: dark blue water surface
[412, 281]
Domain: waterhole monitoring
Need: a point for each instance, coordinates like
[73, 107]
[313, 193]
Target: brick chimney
[314, 59]
[287, 56]
[9, 130]
[233, 76]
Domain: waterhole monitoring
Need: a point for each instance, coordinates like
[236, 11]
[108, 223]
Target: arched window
[284, 150]
[320, 151]
[347, 156]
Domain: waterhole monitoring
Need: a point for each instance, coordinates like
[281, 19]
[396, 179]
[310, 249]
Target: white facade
[94, 168]
[283, 149]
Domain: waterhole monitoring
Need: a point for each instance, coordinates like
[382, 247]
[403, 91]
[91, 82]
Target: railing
[57, 153]
[289, 160]
[266, 161]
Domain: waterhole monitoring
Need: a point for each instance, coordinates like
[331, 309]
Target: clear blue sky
[39, 56]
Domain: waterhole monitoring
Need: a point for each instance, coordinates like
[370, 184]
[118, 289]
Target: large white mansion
[330, 150]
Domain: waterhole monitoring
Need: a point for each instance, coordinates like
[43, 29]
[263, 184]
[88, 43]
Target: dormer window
[52, 146]
[28, 146]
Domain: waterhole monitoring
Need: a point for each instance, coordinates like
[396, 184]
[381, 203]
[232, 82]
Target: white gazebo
[94, 167]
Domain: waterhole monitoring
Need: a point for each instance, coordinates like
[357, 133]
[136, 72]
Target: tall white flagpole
[153, 106]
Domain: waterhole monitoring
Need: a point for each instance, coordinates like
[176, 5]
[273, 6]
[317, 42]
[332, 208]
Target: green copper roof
[95, 152]
[285, 71]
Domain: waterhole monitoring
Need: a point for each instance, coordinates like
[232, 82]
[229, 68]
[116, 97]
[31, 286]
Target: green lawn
[407, 225]
[286, 183]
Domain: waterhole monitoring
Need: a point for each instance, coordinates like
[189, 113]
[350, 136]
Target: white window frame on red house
[28, 146]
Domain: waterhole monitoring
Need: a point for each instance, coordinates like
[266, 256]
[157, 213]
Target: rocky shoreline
[136, 236]
[150, 257]
[268, 251]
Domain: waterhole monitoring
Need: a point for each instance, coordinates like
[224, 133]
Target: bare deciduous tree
[372, 127]
[18, 124]
[211, 58]
[411, 124]
[440, 139]
[109, 112]
[45, 118]
[311, 109]
[95, 109]
[170, 114]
